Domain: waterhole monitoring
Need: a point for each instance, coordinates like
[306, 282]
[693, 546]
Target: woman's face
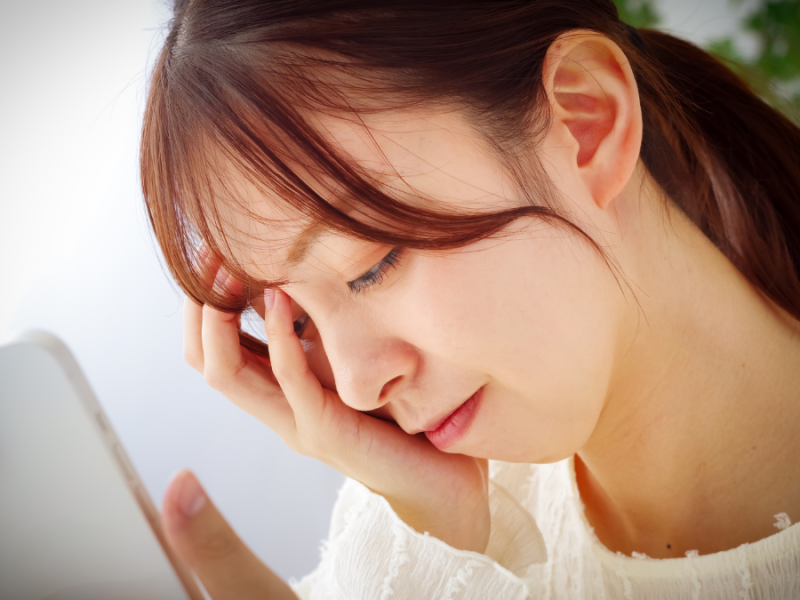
[530, 319]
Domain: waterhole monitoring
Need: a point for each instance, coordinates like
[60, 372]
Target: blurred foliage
[778, 25]
[774, 71]
[639, 13]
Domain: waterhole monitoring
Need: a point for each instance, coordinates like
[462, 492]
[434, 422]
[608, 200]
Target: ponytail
[728, 160]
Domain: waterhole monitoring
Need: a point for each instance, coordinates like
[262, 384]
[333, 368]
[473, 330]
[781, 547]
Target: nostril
[387, 389]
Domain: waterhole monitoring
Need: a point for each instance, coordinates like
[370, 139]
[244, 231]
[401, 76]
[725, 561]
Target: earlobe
[596, 117]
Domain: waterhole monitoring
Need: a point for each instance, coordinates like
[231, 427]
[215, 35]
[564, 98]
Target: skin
[676, 389]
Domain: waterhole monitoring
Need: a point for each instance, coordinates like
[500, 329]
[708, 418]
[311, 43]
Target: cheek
[537, 319]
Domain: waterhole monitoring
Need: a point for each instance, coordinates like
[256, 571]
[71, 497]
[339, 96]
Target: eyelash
[376, 274]
[300, 325]
[372, 277]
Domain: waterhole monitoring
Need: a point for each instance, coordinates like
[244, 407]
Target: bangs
[204, 118]
[246, 78]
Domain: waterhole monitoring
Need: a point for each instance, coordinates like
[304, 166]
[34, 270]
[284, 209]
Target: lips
[454, 426]
[441, 421]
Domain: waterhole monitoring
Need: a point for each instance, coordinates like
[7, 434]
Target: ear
[596, 128]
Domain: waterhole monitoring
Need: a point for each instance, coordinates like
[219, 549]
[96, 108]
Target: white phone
[76, 523]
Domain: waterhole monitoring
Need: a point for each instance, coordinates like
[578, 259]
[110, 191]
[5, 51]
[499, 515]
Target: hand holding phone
[203, 539]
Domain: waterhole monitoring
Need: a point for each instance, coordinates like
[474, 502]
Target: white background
[77, 259]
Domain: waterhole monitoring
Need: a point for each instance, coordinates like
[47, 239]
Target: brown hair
[238, 76]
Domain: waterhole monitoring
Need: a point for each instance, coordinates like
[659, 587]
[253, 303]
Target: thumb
[203, 539]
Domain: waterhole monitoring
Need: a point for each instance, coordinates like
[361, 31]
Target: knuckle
[274, 334]
[193, 358]
[288, 374]
[295, 446]
[313, 447]
[282, 373]
[220, 377]
[216, 378]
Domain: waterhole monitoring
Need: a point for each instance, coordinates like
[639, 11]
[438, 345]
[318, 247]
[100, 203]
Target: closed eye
[376, 274]
[372, 277]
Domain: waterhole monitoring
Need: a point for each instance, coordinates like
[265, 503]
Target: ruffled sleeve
[372, 554]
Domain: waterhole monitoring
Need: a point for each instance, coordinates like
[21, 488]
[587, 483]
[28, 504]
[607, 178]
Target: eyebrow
[299, 249]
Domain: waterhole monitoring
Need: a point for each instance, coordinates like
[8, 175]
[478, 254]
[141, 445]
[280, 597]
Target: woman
[519, 231]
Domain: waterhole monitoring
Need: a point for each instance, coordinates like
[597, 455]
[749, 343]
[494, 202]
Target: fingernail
[269, 298]
[190, 496]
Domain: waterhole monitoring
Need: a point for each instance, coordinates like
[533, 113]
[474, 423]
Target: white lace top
[372, 554]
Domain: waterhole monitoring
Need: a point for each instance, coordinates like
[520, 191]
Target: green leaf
[639, 13]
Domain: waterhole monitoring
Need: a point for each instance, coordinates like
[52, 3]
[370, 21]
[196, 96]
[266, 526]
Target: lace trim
[744, 574]
[399, 557]
[782, 521]
[696, 586]
[627, 588]
[460, 579]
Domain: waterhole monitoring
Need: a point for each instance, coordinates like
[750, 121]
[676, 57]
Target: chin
[493, 451]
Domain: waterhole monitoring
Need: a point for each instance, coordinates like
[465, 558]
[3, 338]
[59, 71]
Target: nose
[370, 367]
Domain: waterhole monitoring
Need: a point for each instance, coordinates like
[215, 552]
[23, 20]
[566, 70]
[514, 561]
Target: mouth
[454, 426]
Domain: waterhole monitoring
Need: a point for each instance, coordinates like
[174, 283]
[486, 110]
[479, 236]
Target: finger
[207, 266]
[246, 382]
[192, 337]
[289, 363]
[203, 540]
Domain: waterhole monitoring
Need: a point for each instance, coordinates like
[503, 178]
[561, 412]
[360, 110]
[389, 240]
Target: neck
[698, 432]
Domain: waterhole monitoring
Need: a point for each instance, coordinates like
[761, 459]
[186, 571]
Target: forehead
[255, 229]
[430, 158]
